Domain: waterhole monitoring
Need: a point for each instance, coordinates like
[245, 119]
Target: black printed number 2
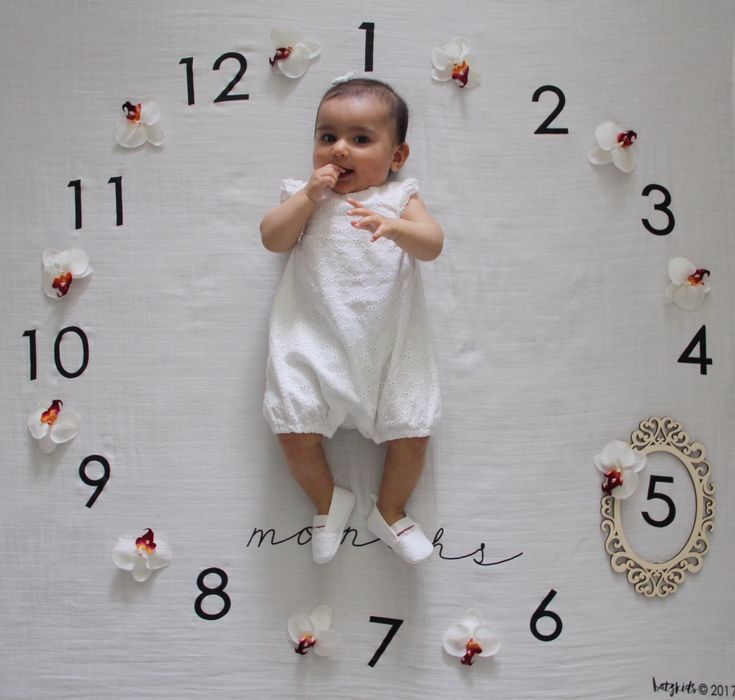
[545, 127]
[394, 626]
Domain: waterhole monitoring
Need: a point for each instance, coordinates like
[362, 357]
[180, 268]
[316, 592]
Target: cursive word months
[302, 537]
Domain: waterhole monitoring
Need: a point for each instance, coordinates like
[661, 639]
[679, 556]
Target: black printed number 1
[394, 626]
[369, 28]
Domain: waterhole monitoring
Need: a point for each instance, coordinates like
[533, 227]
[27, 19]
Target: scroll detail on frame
[660, 579]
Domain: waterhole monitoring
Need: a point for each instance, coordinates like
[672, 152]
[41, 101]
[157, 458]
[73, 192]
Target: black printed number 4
[687, 357]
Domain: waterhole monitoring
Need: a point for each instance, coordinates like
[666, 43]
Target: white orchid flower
[312, 631]
[294, 52]
[454, 61]
[471, 637]
[620, 464]
[60, 269]
[689, 286]
[51, 425]
[140, 124]
[142, 555]
[614, 145]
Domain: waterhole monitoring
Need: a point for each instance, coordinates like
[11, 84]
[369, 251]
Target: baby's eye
[327, 138]
[362, 140]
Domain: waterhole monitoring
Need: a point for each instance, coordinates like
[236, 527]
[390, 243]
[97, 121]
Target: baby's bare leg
[308, 464]
[404, 463]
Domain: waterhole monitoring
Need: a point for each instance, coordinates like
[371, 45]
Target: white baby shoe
[404, 537]
[327, 530]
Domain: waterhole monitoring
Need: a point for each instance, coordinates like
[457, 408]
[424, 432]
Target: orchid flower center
[305, 643]
[613, 479]
[461, 72]
[62, 284]
[626, 138]
[51, 414]
[133, 111]
[145, 543]
[281, 53]
[698, 277]
[473, 648]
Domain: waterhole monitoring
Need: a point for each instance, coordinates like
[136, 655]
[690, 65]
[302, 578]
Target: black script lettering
[262, 534]
[479, 551]
[303, 536]
[354, 533]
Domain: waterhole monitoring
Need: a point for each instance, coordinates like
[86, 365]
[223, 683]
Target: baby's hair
[366, 86]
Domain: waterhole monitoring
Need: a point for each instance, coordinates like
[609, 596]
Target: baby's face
[358, 135]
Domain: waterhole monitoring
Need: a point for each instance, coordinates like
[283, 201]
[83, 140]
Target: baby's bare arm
[281, 227]
[415, 231]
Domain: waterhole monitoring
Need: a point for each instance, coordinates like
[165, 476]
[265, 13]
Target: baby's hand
[381, 226]
[321, 180]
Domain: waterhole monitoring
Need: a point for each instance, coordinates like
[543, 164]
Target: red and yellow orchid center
[461, 72]
[697, 277]
[50, 415]
[626, 138]
[281, 53]
[613, 479]
[133, 111]
[473, 649]
[305, 643]
[62, 284]
[145, 543]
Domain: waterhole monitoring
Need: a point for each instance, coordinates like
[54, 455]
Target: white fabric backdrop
[546, 307]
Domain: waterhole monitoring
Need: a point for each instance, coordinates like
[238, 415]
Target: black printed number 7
[394, 625]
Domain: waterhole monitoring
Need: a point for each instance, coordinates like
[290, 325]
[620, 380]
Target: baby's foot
[404, 536]
[327, 530]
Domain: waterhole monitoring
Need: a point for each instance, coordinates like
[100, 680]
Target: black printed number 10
[60, 367]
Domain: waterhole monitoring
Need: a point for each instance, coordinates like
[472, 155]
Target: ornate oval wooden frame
[660, 579]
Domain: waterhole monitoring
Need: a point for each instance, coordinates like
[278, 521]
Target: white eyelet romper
[348, 341]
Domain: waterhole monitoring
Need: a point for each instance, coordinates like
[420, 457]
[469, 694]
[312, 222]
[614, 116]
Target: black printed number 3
[662, 207]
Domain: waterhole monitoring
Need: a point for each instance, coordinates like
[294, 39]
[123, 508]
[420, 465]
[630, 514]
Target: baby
[348, 343]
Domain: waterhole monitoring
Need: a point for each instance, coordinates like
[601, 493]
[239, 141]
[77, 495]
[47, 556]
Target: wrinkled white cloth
[348, 340]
